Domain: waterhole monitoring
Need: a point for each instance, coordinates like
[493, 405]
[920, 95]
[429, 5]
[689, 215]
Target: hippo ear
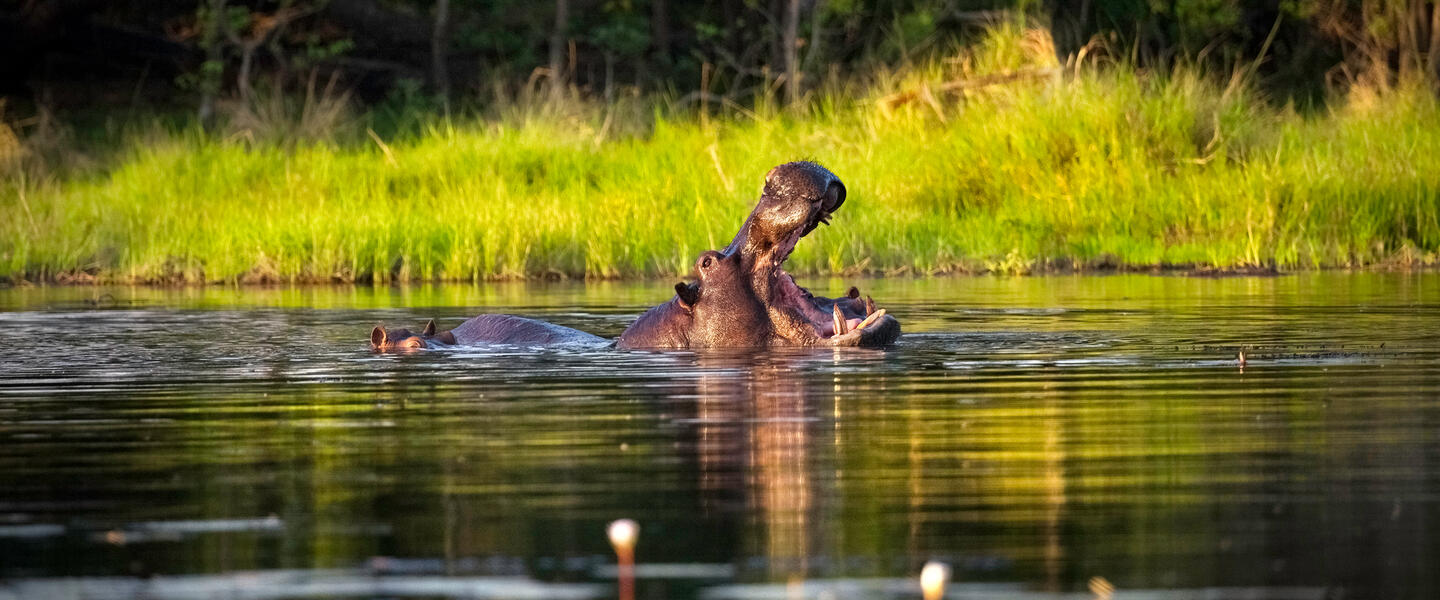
[377, 336]
[688, 294]
[430, 328]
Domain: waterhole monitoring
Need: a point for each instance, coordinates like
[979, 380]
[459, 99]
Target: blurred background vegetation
[65, 54]
[376, 140]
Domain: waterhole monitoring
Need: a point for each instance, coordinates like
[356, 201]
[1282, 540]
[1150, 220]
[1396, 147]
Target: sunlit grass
[1059, 168]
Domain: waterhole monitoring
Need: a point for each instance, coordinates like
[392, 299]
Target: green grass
[1107, 167]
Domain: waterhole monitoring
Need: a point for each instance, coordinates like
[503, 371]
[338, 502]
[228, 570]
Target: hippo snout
[834, 197]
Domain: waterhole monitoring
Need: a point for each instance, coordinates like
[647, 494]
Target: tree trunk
[439, 45]
[729, 35]
[812, 50]
[788, 40]
[660, 30]
[1407, 47]
[212, 37]
[609, 77]
[242, 77]
[773, 33]
[557, 49]
[1433, 56]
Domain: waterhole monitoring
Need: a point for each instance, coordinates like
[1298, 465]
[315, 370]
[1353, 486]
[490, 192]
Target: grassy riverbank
[1026, 170]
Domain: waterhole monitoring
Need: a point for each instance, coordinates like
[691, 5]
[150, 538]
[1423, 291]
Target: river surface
[1046, 437]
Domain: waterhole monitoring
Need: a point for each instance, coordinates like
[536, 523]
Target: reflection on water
[1033, 433]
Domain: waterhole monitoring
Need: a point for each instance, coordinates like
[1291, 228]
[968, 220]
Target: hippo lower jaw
[802, 318]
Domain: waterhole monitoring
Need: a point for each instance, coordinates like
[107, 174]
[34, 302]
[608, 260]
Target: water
[1034, 433]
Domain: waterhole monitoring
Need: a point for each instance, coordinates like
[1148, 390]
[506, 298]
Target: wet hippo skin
[741, 296]
[749, 300]
[484, 329]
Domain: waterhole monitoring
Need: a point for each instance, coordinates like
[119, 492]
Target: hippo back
[510, 329]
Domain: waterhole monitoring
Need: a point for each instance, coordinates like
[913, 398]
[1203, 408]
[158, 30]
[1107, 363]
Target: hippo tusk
[869, 306]
[875, 316]
[839, 319]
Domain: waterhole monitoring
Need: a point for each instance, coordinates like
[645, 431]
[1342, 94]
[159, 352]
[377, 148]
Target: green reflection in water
[1039, 431]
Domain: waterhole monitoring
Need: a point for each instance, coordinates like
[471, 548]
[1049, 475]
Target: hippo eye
[705, 264]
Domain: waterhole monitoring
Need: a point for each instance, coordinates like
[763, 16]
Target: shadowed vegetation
[1021, 165]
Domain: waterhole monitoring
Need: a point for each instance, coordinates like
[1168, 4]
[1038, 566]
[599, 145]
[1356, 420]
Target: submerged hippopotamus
[484, 329]
[741, 297]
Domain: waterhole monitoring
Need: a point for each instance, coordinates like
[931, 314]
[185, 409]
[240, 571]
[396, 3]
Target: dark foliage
[66, 53]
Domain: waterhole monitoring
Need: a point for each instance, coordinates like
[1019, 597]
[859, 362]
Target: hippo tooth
[875, 316]
[839, 319]
[869, 306]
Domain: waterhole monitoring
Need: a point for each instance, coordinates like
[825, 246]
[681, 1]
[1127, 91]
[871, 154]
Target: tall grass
[1022, 165]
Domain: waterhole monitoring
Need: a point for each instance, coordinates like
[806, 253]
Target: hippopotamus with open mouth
[741, 298]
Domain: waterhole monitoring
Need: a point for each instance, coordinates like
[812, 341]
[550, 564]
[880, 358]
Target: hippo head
[717, 309]
[400, 339]
[797, 198]
[742, 296]
[724, 312]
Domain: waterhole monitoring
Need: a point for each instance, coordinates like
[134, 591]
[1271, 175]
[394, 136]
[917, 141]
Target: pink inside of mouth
[785, 291]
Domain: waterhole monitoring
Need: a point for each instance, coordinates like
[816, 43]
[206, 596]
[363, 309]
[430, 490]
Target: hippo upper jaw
[796, 199]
